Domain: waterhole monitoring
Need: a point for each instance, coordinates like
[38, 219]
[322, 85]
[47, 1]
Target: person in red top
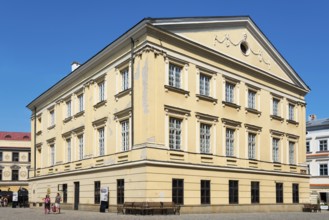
[47, 204]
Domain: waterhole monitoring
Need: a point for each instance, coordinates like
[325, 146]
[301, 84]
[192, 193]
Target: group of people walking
[51, 207]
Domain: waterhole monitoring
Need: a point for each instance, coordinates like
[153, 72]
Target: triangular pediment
[237, 38]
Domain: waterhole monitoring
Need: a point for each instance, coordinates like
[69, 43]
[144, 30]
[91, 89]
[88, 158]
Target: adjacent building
[318, 156]
[15, 159]
[202, 111]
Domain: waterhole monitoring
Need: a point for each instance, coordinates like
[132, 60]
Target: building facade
[15, 158]
[318, 157]
[200, 111]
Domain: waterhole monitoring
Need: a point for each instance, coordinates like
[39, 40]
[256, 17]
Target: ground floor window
[64, 193]
[178, 191]
[295, 193]
[97, 192]
[233, 191]
[205, 191]
[120, 191]
[279, 192]
[254, 192]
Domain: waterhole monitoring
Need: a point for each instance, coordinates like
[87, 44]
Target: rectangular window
[308, 149]
[175, 133]
[291, 152]
[229, 142]
[29, 157]
[251, 99]
[0, 175]
[80, 138]
[101, 141]
[15, 157]
[205, 192]
[175, 75]
[204, 85]
[14, 175]
[229, 92]
[101, 91]
[125, 135]
[81, 106]
[178, 191]
[68, 109]
[205, 138]
[252, 146]
[233, 191]
[254, 192]
[52, 155]
[323, 169]
[120, 191]
[275, 150]
[125, 79]
[52, 117]
[1, 156]
[295, 193]
[276, 107]
[69, 148]
[323, 145]
[65, 193]
[97, 192]
[291, 112]
[279, 192]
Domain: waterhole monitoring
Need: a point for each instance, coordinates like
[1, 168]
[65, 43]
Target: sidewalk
[38, 214]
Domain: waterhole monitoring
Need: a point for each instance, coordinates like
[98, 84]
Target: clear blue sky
[39, 39]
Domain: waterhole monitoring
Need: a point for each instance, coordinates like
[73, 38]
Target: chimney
[74, 65]
[312, 117]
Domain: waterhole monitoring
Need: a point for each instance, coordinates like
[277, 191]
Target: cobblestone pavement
[37, 213]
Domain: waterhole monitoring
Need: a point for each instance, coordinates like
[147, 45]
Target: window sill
[276, 117]
[206, 98]
[79, 114]
[122, 93]
[178, 90]
[292, 122]
[67, 119]
[253, 111]
[99, 104]
[231, 104]
[51, 127]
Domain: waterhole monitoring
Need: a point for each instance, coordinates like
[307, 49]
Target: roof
[15, 136]
[164, 24]
[318, 124]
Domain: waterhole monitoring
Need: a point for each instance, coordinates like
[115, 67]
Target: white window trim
[184, 72]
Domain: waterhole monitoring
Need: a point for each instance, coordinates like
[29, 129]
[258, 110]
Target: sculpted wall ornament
[243, 43]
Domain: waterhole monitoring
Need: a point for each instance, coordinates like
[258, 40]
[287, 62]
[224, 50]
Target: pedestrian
[5, 202]
[57, 203]
[47, 204]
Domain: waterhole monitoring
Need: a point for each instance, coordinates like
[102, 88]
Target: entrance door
[76, 195]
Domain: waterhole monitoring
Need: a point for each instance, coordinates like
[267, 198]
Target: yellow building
[15, 159]
[204, 112]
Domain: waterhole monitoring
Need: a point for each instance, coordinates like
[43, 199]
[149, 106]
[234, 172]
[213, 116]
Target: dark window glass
[323, 169]
[120, 191]
[0, 156]
[279, 192]
[14, 175]
[233, 191]
[97, 192]
[254, 192]
[205, 191]
[29, 157]
[178, 191]
[15, 156]
[64, 193]
[0, 175]
[295, 193]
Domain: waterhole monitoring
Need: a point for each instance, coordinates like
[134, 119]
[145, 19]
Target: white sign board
[15, 197]
[104, 194]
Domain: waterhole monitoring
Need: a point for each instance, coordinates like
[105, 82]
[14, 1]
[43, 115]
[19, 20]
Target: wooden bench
[152, 207]
[144, 208]
[170, 207]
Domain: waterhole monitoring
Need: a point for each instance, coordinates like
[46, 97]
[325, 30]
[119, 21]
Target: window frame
[291, 112]
[323, 145]
[101, 91]
[80, 146]
[276, 149]
[69, 150]
[81, 106]
[204, 85]
[230, 142]
[230, 92]
[52, 157]
[178, 191]
[68, 104]
[125, 132]
[295, 193]
[205, 138]
[292, 151]
[252, 100]
[101, 141]
[175, 78]
[252, 146]
[279, 192]
[120, 191]
[15, 157]
[233, 192]
[308, 147]
[205, 192]
[323, 169]
[175, 133]
[97, 192]
[254, 192]
[124, 73]
[14, 175]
